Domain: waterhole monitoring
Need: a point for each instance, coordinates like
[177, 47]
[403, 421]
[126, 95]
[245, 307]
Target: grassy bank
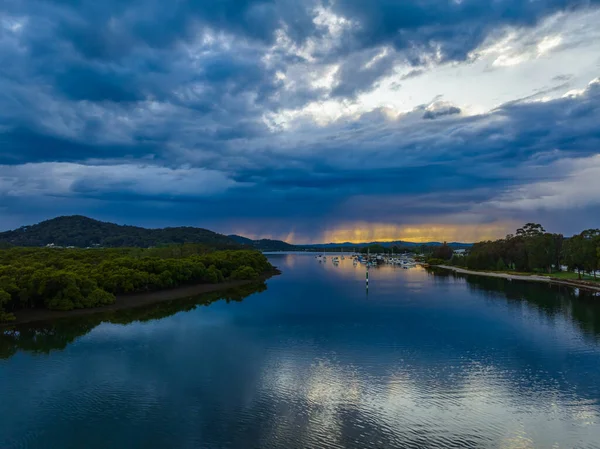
[570, 276]
[531, 277]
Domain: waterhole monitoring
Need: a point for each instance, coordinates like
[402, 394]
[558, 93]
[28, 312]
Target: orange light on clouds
[369, 232]
[361, 232]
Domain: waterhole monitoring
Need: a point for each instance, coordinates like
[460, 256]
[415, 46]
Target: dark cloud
[419, 31]
[361, 70]
[85, 83]
[26, 145]
[388, 158]
[413, 74]
[112, 29]
[452, 28]
[440, 112]
[119, 51]
[510, 147]
[195, 85]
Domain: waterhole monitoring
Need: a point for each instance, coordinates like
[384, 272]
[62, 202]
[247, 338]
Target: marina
[370, 260]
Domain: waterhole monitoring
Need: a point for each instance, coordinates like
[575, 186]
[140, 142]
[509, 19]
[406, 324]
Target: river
[314, 360]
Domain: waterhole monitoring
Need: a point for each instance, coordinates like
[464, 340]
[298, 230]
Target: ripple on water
[421, 362]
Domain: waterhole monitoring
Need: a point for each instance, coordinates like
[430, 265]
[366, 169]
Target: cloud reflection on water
[425, 360]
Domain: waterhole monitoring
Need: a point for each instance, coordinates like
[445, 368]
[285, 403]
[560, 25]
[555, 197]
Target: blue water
[422, 360]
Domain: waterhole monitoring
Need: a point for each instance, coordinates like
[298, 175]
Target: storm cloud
[281, 118]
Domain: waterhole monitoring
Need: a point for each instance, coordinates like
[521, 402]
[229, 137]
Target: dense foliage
[443, 252]
[532, 249]
[374, 249]
[65, 279]
[83, 232]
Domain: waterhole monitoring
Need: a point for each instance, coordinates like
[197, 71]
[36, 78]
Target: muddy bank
[131, 301]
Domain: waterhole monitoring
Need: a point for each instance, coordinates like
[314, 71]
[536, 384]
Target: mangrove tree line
[65, 279]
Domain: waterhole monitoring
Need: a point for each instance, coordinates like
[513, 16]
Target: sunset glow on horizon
[378, 232]
[309, 122]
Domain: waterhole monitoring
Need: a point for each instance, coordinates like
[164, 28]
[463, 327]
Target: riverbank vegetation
[66, 279]
[532, 250]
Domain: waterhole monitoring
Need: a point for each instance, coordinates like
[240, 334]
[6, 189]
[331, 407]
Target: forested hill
[264, 244]
[83, 232]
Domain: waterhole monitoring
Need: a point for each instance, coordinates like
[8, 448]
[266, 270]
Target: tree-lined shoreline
[531, 251]
[71, 279]
[136, 300]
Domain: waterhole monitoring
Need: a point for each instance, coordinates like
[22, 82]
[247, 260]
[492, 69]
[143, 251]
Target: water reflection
[47, 336]
[336, 405]
[580, 307]
[425, 361]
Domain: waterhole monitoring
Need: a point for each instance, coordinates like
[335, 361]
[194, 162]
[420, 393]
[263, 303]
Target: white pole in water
[367, 278]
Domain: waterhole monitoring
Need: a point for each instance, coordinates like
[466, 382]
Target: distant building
[460, 252]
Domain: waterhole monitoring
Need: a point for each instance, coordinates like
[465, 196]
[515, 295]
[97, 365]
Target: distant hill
[83, 232]
[278, 245]
[264, 244]
[398, 243]
[80, 231]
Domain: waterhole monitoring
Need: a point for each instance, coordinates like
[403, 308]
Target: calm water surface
[313, 361]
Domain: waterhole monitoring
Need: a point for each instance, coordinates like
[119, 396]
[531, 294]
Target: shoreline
[131, 301]
[517, 277]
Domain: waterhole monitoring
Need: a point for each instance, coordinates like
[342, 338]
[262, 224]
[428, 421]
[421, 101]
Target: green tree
[458, 261]
[443, 252]
[558, 244]
[4, 300]
[574, 253]
[244, 272]
[67, 279]
[515, 252]
[590, 245]
[541, 252]
[500, 265]
[99, 297]
[374, 249]
[213, 275]
[531, 230]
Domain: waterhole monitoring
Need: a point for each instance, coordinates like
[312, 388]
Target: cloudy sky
[324, 120]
